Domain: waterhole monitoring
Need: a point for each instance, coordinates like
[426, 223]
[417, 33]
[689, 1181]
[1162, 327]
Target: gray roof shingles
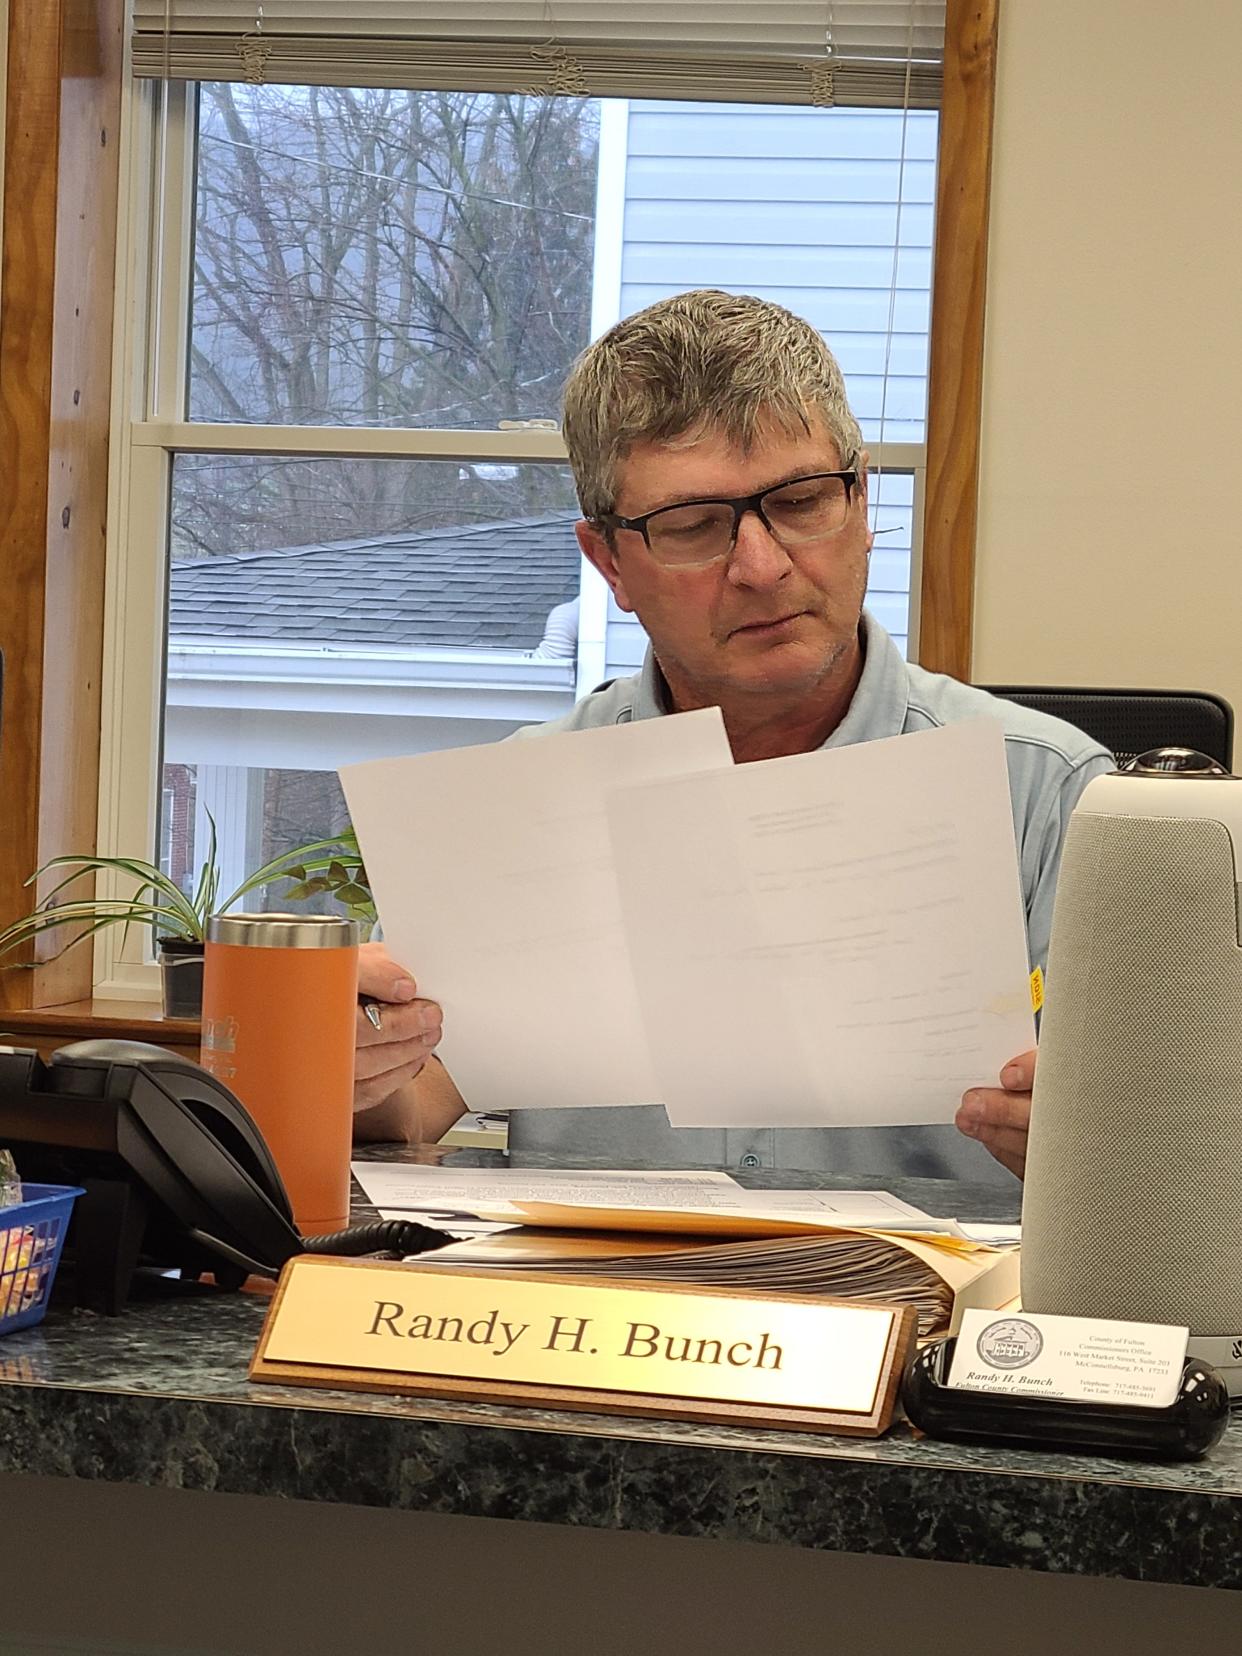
[480, 586]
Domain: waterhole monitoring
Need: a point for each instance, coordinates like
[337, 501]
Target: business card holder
[1191, 1424]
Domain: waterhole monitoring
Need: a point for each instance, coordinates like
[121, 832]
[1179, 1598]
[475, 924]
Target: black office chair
[1131, 721]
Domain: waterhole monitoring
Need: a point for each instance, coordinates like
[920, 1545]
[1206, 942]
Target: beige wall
[1114, 349]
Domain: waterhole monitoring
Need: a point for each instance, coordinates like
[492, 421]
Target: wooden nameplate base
[722, 1356]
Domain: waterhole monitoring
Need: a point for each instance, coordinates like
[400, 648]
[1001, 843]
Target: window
[343, 489]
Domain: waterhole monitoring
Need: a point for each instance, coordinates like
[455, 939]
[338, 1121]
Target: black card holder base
[1189, 1426]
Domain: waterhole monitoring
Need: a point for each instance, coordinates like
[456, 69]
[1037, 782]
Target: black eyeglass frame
[740, 504]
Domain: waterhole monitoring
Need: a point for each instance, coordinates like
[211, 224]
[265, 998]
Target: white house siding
[803, 207]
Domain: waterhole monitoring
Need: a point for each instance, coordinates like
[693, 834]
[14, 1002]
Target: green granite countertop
[159, 1396]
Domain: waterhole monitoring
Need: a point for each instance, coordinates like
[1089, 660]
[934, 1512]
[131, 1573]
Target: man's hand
[1000, 1117]
[394, 1042]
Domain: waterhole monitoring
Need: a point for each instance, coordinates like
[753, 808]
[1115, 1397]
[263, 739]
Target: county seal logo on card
[1083, 1359]
[1010, 1344]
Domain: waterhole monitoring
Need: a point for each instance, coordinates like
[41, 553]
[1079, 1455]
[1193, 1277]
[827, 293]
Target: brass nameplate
[570, 1342]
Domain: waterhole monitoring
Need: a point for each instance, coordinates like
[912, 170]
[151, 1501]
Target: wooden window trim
[57, 294]
[57, 247]
[955, 374]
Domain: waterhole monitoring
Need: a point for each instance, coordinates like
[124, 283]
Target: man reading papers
[723, 485]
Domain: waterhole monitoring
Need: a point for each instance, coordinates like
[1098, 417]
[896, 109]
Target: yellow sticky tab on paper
[1037, 989]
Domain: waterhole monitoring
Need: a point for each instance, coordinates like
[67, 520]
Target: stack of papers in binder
[937, 1274]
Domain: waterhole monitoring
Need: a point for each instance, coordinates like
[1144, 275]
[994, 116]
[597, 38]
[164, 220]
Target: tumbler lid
[284, 931]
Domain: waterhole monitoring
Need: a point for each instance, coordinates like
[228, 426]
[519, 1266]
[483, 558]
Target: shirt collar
[878, 707]
[650, 698]
[881, 701]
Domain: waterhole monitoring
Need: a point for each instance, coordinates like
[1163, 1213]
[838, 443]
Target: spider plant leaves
[331, 867]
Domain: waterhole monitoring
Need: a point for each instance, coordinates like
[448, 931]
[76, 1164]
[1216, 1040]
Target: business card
[1085, 1359]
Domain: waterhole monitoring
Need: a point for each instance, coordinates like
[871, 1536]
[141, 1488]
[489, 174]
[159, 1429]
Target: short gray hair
[698, 363]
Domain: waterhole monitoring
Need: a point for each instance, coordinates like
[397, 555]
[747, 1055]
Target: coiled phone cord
[397, 1238]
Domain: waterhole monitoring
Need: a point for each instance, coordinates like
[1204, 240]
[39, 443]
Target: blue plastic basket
[32, 1234]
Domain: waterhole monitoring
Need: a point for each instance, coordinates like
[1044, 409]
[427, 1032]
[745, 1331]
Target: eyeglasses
[703, 531]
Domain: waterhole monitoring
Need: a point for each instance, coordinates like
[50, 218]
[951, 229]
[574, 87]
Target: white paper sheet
[994, 1233]
[493, 874]
[447, 1197]
[835, 938]
[455, 1222]
[396, 1185]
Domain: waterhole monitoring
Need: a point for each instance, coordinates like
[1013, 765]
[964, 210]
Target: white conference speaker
[1133, 1199]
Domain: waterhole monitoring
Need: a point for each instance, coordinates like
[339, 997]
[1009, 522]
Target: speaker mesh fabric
[1133, 1198]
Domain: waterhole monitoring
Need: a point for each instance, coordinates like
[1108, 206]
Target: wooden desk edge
[51, 1026]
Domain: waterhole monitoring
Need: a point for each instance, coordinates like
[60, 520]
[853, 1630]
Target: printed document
[624, 916]
[835, 938]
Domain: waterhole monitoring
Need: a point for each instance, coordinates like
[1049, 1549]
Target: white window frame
[149, 364]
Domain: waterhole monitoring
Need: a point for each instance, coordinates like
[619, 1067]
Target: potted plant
[331, 867]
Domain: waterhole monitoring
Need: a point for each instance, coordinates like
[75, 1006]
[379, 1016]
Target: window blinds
[859, 52]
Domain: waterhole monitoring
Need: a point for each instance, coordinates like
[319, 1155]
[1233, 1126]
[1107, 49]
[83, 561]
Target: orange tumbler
[280, 995]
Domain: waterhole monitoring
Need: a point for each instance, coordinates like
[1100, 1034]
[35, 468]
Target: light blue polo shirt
[1050, 763]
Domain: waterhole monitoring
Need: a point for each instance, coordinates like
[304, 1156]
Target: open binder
[941, 1276]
